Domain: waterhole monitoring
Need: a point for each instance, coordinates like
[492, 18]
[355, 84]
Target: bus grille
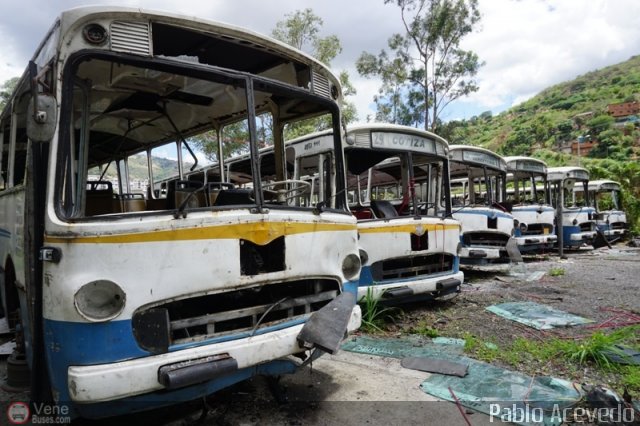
[484, 239]
[362, 139]
[538, 229]
[320, 85]
[233, 312]
[587, 227]
[130, 37]
[414, 266]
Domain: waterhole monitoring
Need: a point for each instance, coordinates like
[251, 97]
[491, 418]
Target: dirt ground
[595, 284]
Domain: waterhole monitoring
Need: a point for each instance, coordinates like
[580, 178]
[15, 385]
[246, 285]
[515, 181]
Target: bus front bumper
[408, 288]
[613, 232]
[583, 236]
[481, 253]
[535, 241]
[108, 382]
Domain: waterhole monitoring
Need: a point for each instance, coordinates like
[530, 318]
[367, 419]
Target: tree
[6, 90]
[301, 29]
[428, 70]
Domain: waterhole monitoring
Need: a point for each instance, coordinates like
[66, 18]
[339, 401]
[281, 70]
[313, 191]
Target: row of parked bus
[124, 301]
[424, 208]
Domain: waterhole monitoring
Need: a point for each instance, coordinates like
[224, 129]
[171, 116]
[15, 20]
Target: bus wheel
[18, 377]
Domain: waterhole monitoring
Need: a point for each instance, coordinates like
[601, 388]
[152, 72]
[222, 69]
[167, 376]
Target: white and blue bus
[478, 194]
[528, 195]
[578, 225]
[398, 186]
[605, 195]
[130, 299]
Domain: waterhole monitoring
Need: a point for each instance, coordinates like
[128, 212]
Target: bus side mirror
[41, 118]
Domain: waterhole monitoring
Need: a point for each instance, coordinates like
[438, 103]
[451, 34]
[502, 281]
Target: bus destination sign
[402, 141]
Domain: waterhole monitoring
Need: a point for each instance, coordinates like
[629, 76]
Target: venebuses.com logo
[19, 413]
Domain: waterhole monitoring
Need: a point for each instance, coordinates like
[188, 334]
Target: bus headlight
[523, 227]
[364, 257]
[351, 266]
[100, 300]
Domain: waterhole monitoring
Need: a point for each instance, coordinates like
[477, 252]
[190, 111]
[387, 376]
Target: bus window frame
[194, 70]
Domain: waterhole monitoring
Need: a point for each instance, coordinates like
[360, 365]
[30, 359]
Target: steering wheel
[283, 195]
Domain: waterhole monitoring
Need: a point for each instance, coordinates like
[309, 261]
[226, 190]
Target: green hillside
[547, 124]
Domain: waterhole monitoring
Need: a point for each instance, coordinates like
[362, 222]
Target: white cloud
[531, 45]
[527, 45]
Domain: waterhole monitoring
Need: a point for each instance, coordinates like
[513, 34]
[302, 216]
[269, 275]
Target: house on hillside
[582, 147]
[623, 109]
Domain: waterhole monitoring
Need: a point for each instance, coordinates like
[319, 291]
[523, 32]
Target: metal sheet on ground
[432, 365]
[541, 317]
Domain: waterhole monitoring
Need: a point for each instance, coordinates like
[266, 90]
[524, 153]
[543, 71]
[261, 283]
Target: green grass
[556, 272]
[598, 347]
[570, 356]
[374, 314]
[423, 329]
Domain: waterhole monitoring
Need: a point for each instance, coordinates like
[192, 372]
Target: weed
[599, 347]
[374, 315]
[631, 378]
[483, 351]
[556, 272]
[424, 330]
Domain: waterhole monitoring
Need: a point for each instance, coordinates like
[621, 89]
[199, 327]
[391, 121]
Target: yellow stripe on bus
[259, 233]
[414, 229]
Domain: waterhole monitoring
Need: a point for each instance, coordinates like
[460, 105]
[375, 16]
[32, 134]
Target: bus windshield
[126, 118]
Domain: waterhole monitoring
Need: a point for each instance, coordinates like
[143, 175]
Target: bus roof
[252, 52]
[604, 185]
[470, 154]
[75, 16]
[525, 164]
[573, 172]
[393, 137]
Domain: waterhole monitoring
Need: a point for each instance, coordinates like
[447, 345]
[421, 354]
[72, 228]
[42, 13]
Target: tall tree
[301, 30]
[426, 69]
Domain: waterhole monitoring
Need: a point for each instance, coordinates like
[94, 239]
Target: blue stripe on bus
[366, 278]
[567, 231]
[488, 213]
[73, 343]
[5, 233]
[163, 398]
[533, 209]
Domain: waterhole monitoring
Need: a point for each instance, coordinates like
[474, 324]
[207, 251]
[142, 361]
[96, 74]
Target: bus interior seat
[133, 202]
[383, 209]
[362, 214]
[178, 191]
[214, 188]
[229, 197]
[100, 198]
[154, 201]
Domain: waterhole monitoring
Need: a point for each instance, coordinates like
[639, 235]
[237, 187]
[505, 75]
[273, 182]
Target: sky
[526, 45]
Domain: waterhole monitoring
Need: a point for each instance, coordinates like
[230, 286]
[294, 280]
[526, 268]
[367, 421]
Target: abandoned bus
[398, 186]
[166, 294]
[407, 244]
[527, 194]
[478, 193]
[605, 196]
[578, 225]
